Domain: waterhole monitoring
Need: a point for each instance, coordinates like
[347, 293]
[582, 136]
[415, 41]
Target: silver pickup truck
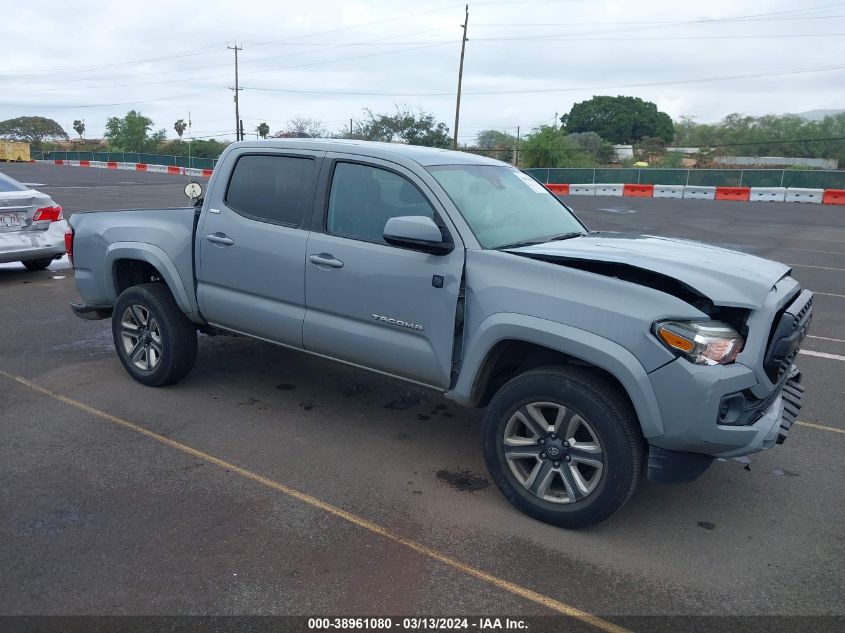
[598, 358]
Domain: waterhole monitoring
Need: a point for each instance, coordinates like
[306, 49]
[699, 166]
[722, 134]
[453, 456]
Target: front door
[251, 244]
[380, 306]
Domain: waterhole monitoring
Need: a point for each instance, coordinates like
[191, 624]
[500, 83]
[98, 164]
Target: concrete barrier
[767, 194]
[609, 189]
[797, 194]
[638, 191]
[584, 189]
[668, 191]
[697, 192]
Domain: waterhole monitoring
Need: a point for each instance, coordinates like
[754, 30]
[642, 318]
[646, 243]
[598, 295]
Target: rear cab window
[272, 188]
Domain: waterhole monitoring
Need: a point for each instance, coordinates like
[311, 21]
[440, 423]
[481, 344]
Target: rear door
[251, 243]
[384, 307]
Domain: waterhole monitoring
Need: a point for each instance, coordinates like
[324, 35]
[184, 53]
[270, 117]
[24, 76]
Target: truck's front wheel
[562, 445]
[155, 341]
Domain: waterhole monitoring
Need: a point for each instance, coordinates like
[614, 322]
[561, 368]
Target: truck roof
[426, 156]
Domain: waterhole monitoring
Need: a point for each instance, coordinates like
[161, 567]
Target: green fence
[811, 179]
[129, 157]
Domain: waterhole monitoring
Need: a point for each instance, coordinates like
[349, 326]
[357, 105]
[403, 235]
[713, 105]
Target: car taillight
[53, 214]
[69, 244]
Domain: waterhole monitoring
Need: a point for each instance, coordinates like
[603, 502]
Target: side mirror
[193, 190]
[418, 232]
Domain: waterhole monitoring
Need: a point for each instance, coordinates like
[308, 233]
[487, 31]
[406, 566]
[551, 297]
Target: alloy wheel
[141, 337]
[553, 452]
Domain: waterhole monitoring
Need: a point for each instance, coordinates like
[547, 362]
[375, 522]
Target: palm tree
[79, 126]
[180, 126]
[263, 130]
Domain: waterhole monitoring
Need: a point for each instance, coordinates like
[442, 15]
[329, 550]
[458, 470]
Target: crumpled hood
[728, 278]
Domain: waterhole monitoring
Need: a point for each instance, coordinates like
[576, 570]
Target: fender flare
[581, 344]
[156, 257]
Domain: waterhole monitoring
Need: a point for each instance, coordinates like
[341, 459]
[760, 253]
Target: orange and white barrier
[150, 167]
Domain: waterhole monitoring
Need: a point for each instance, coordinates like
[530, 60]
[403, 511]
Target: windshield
[503, 206]
[10, 184]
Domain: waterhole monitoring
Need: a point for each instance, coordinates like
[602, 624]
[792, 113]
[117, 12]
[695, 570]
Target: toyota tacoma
[598, 358]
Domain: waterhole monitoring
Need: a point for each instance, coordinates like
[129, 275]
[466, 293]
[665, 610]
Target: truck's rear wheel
[155, 341]
[563, 445]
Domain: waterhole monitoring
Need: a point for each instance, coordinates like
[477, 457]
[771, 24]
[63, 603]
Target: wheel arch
[507, 344]
[135, 263]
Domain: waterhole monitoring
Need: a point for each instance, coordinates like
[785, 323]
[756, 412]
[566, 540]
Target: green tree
[771, 135]
[263, 130]
[549, 147]
[32, 128]
[180, 126]
[497, 144]
[302, 127]
[79, 126]
[619, 119]
[405, 126]
[132, 133]
[593, 144]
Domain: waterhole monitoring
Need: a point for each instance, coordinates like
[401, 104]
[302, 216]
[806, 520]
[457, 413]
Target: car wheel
[563, 445]
[155, 341]
[37, 264]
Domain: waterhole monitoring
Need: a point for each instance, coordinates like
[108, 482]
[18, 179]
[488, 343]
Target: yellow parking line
[517, 590]
[821, 427]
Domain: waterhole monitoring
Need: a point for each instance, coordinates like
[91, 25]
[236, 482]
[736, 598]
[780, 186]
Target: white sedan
[32, 227]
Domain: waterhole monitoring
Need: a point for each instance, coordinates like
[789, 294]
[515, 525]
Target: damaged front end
[732, 387]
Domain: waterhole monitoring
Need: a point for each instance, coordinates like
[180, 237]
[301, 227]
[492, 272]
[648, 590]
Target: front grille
[793, 394]
[789, 329]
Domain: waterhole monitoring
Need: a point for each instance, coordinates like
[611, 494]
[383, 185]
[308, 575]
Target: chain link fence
[811, 179]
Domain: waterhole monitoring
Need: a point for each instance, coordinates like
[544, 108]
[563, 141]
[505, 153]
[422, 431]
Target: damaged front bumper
[769, 423]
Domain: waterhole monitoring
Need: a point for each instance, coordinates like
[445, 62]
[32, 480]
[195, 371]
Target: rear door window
[275, 189]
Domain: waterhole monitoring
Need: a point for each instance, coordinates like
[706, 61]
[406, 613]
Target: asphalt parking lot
[99, 517]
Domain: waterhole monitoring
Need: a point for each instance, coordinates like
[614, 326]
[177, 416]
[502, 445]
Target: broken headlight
[702, 342]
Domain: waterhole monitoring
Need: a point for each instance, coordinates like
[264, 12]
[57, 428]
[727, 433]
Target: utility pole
[350, 128]
[516, 157]
[236, 89]
[460, 77]
[189, 142]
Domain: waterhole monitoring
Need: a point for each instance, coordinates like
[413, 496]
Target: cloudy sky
[329, 59]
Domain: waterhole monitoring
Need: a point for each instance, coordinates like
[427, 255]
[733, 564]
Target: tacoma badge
[410, 326]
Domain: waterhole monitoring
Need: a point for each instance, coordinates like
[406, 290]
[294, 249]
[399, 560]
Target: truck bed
[103, 238]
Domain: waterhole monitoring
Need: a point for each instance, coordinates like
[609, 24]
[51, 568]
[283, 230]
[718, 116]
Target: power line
[550, 90]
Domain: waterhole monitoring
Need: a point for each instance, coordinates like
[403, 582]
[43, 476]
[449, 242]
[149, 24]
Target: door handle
[325, 259]
[220, 238]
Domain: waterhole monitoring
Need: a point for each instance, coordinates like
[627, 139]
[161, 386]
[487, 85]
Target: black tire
[37, 264]
[591, 404]
[169, 338]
